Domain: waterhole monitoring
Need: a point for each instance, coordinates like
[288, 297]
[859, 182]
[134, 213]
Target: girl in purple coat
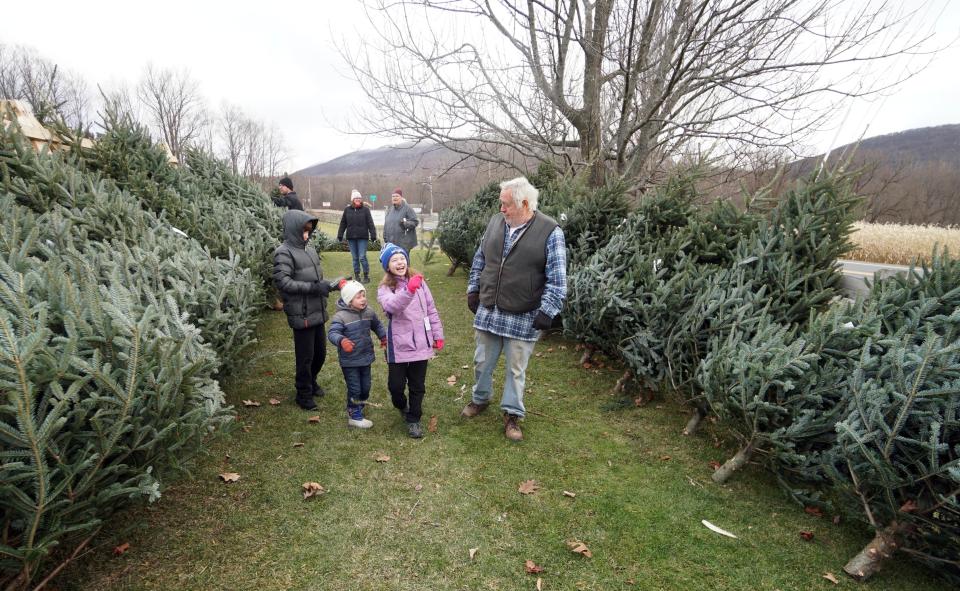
[413, 333]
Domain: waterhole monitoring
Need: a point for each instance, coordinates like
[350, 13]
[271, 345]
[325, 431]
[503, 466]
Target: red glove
[347, 345]
[414, 284]
[341, 283]
[383, 343]
[438, 344]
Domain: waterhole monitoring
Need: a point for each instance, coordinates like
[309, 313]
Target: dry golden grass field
[901, 244]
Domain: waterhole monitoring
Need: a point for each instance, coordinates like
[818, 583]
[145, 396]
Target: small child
[415, 331]
[350, 332]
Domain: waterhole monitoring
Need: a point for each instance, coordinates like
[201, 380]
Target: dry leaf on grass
[549, 349]
[539, 584]
[473, 552]
[314, 419]
[665, 458]
[567, 493]
[373, 404]
[230, 476]
[312, 489]
[268, 373]
[532, 568]
[464, 367]
[716, 529]
[298, 444]
[451, 380]
[418, 488]
[830, 577]
[432, 425]
[382, 458]
[528, 487]
[815, 511]
[578, 547]
[715, 465]
[251, 403]
[121, 548]
[806, 535]
[274, 402]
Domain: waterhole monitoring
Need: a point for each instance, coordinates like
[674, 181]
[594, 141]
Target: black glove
[320, 288]
[542, 321]
[473, 301]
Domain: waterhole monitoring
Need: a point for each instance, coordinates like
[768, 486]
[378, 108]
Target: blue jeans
[358, 385]
[516, 354]
[358, 252]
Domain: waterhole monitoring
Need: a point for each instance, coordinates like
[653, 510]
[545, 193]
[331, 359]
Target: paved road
[854, 273]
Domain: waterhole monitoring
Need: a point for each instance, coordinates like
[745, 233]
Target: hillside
[923, 145]
[399, 159]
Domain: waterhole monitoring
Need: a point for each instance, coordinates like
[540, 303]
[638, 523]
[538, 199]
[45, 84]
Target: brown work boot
[473, 409]
[511, 429]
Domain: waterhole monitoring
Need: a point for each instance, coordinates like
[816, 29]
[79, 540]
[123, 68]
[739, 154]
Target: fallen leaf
[314, 419]
[418, 488]
[567, 493]
[473, 552]
[121, 549]
[563, 347]
[539, 584]
[230, 476]
[298, 444]
[268, 373]
[830, 577]
[274, 402]
[452, 380]
[579, 547]
[630, 582]
[532, 568]
[549, 349]
[245, 428]
[312, 489]
[373, 404]
[836, 520]
[639, 401]
[665, 458]
[538, 354]
[432, 425]
[716, 529]
[382, 458]
[815, 511]
[806, 535]
[714, 464]
[464, 367]
[251, 403]
[587, 365]
[528, 487]
[908, 507]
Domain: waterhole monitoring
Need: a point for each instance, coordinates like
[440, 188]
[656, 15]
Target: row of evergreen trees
[852, 404]
[127, 286]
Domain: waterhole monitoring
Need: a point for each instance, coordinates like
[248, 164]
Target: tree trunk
[694, 423]
[622, 382]
[869, 561]
[733, 464]
[587, 354]
[453, 269]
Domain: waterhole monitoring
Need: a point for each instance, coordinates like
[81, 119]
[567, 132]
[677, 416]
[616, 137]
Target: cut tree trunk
[869, 561]
[694, 423]
[733, 464]
[587, 354]
[453, 269]
[622, 382]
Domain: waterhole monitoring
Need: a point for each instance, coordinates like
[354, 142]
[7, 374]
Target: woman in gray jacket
[400, 223]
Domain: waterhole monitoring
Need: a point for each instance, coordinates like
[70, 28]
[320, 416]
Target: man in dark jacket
[356, 225]
[288, 196]
[299, 279]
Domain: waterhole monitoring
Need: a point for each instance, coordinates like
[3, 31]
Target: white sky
[277, 61]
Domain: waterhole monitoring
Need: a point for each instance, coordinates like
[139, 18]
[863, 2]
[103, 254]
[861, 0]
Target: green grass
[409, 523]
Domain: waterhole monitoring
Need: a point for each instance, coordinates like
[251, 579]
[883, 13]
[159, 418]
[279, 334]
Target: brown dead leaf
[268, 373]
[432, 425]
[665, 458]
[382, 458]
[230, 476]
[909, 507]
[563, 347]
[806, 535]
[251, 403]
[567, 493]
[528, 487]
[245, 428]
[418, 488]
[539, 584]
[464, 367]
[121, 549]
[312, 489]
[274, 402]
[452, 379]
[630, 582]
[314, 419]
[815, 511]
[579, 547]
[538, 354]
[298, 444]
[549, 349]
[714, 465]
[830, 577]
[473, 552]
[532, 568]
[587, 365]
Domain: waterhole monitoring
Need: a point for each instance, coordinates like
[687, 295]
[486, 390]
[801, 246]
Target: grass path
[410, 522]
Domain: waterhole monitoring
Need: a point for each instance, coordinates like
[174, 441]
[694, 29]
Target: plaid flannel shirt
[520, 326]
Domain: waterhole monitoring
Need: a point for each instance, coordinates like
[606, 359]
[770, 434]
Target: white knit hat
[355, 195]
[350, 291]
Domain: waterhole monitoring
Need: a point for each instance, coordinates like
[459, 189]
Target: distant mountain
[914, 146]
[400, 159]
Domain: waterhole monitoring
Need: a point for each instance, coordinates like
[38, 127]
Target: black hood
[293, 222]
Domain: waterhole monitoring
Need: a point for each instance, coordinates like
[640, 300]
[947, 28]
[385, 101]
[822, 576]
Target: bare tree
[174, 105]
[624, 86]
[51, 92]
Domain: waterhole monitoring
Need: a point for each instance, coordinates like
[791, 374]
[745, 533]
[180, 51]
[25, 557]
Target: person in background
[517, 285]
[414, 332]
[400, 223]
[288, 197]
[356, 226]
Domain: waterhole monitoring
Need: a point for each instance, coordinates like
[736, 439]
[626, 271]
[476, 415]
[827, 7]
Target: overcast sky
[277, 60]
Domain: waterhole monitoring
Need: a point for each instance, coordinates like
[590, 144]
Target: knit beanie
[390, 249]
[355, 195]
[350, 291]
[286, 182]
[398, 191]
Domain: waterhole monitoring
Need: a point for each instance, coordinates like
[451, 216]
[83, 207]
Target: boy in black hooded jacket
[299, 279]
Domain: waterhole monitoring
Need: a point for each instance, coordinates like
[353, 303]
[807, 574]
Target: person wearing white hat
[356, 226]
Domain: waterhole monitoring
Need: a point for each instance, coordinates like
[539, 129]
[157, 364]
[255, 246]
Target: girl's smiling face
[398, 265]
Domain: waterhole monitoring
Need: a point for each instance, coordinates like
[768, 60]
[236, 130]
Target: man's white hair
[522, 190]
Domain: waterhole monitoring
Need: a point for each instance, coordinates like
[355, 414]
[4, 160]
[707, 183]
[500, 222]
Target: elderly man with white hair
[518, 283]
